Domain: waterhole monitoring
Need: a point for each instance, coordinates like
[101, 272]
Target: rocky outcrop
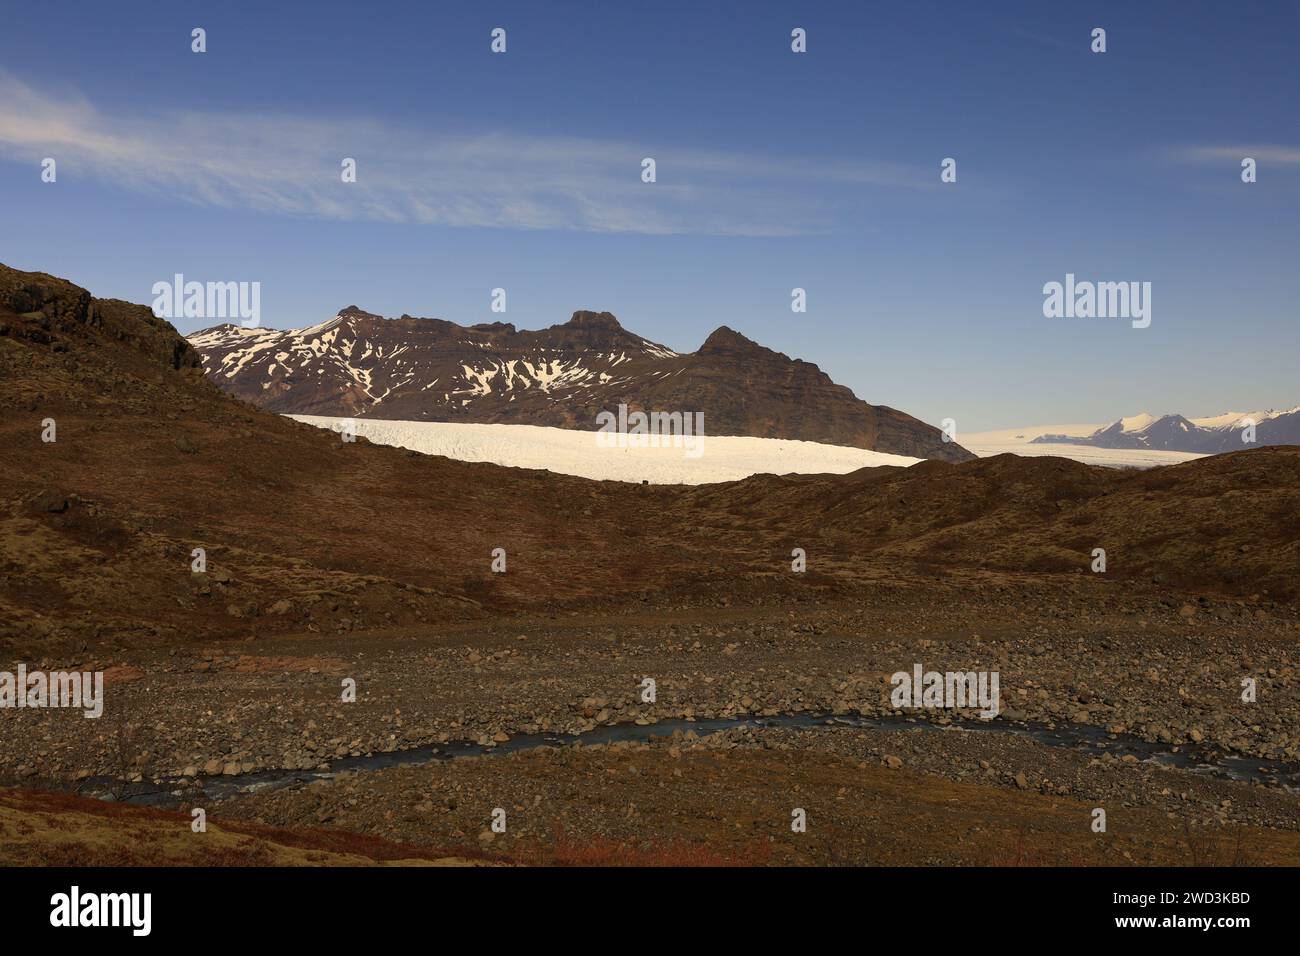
[54, 312]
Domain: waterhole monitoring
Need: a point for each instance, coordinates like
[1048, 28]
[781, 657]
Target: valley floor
[225, 727]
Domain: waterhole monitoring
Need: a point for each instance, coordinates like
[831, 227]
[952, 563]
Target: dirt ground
[1137, 669]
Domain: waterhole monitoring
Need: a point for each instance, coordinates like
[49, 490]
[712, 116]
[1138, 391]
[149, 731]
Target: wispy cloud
[1273, 154]
[290, 165]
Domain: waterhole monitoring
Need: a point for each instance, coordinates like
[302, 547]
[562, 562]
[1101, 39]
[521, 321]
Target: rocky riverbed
[1165, 672]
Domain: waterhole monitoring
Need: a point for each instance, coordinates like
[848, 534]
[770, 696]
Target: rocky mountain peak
[585, 318]
[725, 339]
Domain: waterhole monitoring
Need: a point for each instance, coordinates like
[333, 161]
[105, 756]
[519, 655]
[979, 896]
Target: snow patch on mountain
[1137, 423]
[1232, 420]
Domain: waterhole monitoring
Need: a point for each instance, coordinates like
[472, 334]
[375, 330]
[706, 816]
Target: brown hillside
[303, 530]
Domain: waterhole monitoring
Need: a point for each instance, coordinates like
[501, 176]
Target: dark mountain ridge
[359, 364]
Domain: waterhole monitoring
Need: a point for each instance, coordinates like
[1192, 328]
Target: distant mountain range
[1213, 435]
[362, 365]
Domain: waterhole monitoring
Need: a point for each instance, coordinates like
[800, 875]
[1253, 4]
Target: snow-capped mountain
[1210, 435]
[362, 365]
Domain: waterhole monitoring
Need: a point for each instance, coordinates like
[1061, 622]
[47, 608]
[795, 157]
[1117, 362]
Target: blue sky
[775, 170]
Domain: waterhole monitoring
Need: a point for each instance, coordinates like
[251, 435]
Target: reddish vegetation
[115, 834]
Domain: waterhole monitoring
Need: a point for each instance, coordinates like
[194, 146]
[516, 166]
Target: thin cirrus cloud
[288, 165]
[1279, 155]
